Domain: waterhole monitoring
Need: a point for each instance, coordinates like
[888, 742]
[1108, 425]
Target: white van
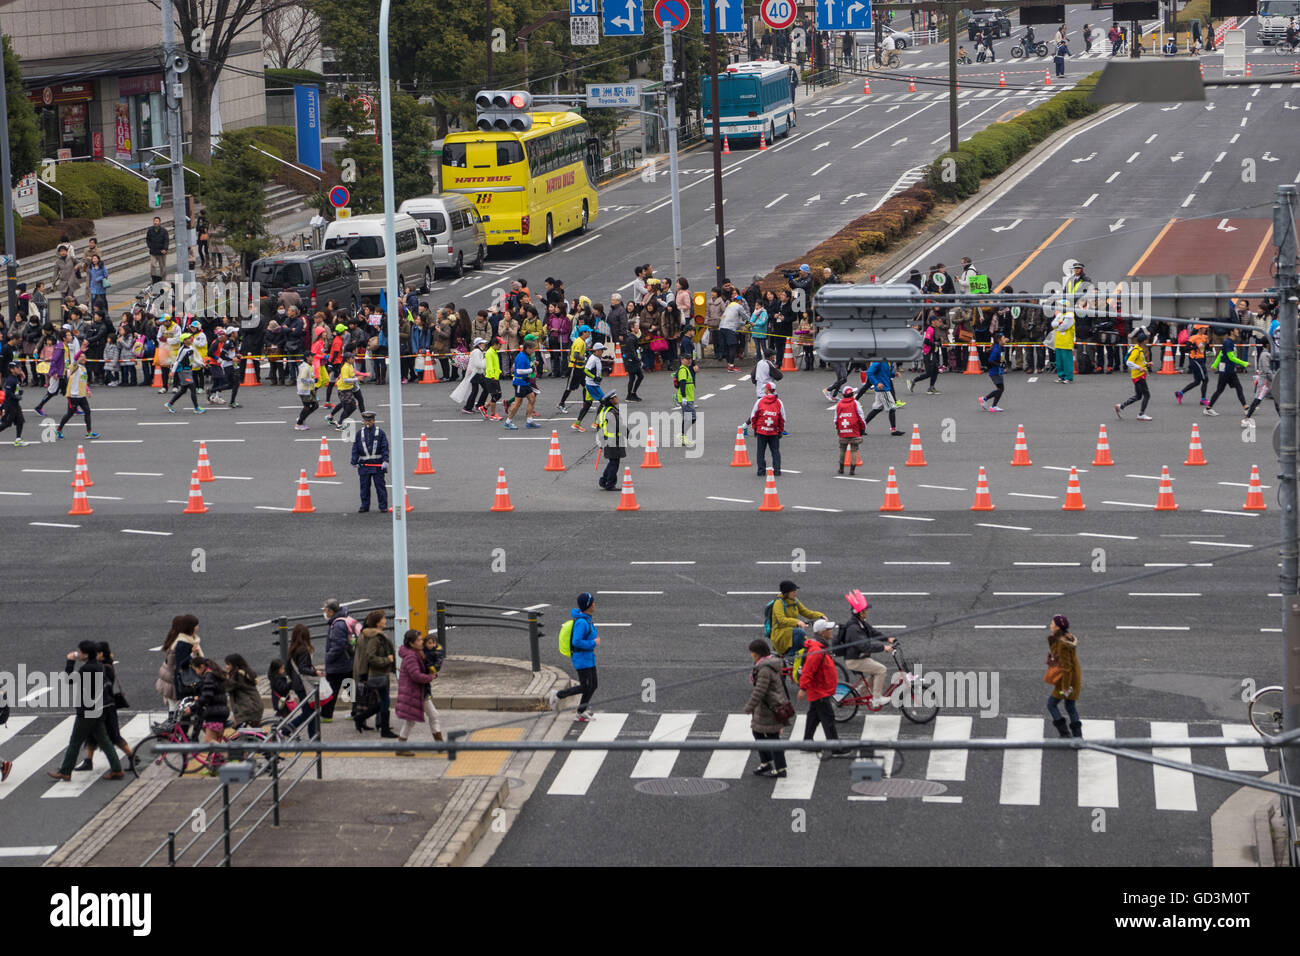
[453, 227]
[362, 238]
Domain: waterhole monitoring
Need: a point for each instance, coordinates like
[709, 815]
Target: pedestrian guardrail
[459, 614]
[317, 625]
[238, 768]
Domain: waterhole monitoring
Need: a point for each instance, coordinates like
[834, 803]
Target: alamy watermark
[228, 299]
[53, 690]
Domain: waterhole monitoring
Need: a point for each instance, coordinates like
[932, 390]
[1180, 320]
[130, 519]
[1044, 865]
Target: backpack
[767, 618]
[566, 638]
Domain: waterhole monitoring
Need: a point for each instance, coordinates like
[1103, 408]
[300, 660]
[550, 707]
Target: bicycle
[1286, 49]
[891, 61]
[850, 694]
[174, 730]
[1265, 711]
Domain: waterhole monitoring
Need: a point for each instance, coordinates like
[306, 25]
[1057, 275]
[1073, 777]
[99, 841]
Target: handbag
[659, 344]
[187, 683]
[1054, 674]
[784, 711]
[120, 701]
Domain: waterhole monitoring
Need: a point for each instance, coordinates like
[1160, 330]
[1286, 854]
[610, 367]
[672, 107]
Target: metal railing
[504, 618]
[237, 750]
[125, 169]
[167, 160]
[284, 624]
[284, 162]
[58, 192]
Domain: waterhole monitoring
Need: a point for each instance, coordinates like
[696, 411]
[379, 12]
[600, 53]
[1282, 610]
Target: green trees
[411, 137]
[24, 136]
[233, 195]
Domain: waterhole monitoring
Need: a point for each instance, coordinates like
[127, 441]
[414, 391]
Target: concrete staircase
[125, 252]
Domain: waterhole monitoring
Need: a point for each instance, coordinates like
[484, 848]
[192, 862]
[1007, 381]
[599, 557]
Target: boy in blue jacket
[583, 643]
[880, 382]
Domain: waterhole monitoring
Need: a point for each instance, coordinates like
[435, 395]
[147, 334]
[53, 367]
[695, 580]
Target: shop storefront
[63, 112]
[138, 119]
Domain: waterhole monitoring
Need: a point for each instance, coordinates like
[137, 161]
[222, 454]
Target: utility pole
[11, 241]
[173, 93]
[1288, 288]
[720, 252]
[669, 85]
[952, 78]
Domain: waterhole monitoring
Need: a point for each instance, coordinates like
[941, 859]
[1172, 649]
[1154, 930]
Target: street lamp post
[397, 452]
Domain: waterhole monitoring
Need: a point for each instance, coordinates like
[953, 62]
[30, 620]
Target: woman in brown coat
[764, 700]
[1063, 654]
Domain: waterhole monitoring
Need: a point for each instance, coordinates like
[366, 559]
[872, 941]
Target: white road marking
[776, 200]
[265, 508]
[905, 518]
[1235, 514]
[161, 423]
[49, 471]
[1206, 177]
[138, 474]
[51, 524]
[1113, 176]
[1235, 137]
[232, 478]
[1096, 534]
[820, 169]
[1128, 504]
[1221, 544]
[1219, 158]
[1149, 627]
[738, 501]
[874, 481]
[1027, 593]
[1088, 202]
[1022, 770]
[661, 562]
[1004, 527]
[133, 732]
[1164, 593]
[881, 132]
[1098, 773]
[161, 534]
[942, 488]
[730, 764]
[801, 767]
[1191, 197]
[1133, 157]
[249, 627]
[728, 625]
[1047, 564]
[1153, 477]
[1151, 138]
[1082, 471]
[882, 726]
[924, 563]
[1008, 627]
[1025, 494]
[659, 763]
[439, 581]
[322, 481]
[93, 497]
[19, 494]
[1241, 484]
[896, 593]
[1175, 789]
[16, 852]
[231, 441]
[1248, 759]
[1154, 564]
[540, 606]
[949, 764]
[36, 758]
[581, 766]
[811, 508]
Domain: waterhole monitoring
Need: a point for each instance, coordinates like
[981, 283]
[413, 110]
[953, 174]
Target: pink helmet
[857, 602]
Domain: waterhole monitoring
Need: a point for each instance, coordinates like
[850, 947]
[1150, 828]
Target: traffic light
[867, 322]
[504, 110]
[155, 193]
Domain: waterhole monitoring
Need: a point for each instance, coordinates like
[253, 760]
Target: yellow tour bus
[530, 186]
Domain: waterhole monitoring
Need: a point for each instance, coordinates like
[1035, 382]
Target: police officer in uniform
[370, 458]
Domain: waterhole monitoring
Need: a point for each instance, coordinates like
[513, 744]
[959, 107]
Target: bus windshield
[1279, 8]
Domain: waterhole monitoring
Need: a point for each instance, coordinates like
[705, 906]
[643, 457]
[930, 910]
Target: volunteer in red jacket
[850, 424]
[817, 682]
[768, 421]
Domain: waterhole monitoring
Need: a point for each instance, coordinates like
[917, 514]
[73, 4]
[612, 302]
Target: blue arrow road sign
[623, 18]
[843, 15]
[730, 16]
[582, 8]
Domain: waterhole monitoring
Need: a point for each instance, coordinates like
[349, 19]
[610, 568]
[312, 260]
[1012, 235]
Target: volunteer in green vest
[613, 440]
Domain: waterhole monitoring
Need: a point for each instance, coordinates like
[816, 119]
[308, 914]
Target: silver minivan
[453, 226]
[362, 238]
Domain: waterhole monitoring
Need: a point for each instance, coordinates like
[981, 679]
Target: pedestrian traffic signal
[504, 110]
[868, 321]
[155, 193]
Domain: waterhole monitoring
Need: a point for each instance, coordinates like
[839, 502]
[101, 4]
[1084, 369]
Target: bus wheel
[582, 227]
[771, 131]
[550, 234]
[791, 125]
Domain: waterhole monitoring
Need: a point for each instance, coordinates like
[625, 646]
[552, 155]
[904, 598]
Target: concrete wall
[41, 30]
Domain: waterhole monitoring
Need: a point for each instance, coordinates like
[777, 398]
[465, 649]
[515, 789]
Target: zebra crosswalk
[1101, 777]
[35, 744]
[932, 94]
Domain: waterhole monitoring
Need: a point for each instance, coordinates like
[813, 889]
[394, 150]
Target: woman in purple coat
[414, 704]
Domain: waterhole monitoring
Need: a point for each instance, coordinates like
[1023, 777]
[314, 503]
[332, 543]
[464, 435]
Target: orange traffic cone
[407, 498]
[848, 459]
[1248, 69]
[502, 500]
[1165, 500]
[1255, 494]
[1167, 364]
[80, 503]
[915, 456]
[726, 145]
[866, 86]
[911, 84]
[1021, 454]
[787, 364]
[740, 455]
[1073, 494]
[423, 463]
[973, 362]
[80, 471]
[250, 376]
[157, 376]
[771, 501]
[1047, 78]
[627, 501]
[651, 458]
[302, 504]
[762, 141]
[857, 454]
[204, 468]
[1195, 456]
[892, 501]
[982, 500]
[1002, 79]
[554, 461]
[619, 370]
[195, 505]
[1103, 449]
[324, 466]
[430, 377]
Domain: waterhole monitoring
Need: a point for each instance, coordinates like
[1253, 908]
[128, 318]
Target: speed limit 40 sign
[777, 14]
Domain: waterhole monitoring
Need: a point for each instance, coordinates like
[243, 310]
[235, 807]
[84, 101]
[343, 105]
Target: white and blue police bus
[756, 97]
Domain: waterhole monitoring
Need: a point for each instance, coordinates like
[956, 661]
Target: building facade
[93, 71]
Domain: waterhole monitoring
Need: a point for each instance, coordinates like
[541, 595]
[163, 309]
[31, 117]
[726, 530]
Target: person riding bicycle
[857, 640]
[887, 50]
[211, 702]
[789, 618]
[962, 56]
[1292, 35]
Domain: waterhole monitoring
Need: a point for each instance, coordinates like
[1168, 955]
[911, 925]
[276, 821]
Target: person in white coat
[468, 389]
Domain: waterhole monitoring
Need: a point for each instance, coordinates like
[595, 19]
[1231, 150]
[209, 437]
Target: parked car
[317, 276]
[362, 239]
[984, 21]
[902, 39]
[452, 225]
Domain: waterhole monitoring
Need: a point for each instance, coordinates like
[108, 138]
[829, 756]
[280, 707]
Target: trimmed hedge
[41, 236]
[285, 79]
[991, 150]
[113, 190]
[48, 213]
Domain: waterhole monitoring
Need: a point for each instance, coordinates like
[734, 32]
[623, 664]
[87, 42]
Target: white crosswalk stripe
[36, 758]
[136, 730]
[1019, 773]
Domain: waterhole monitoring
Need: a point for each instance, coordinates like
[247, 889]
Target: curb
[1240, 831]
[84, 845]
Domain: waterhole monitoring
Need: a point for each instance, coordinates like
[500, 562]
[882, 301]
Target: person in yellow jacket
[577, 362]
[1063, 346]
[349, 383]
[1137, 369]
[789, 618]
[492, 376]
